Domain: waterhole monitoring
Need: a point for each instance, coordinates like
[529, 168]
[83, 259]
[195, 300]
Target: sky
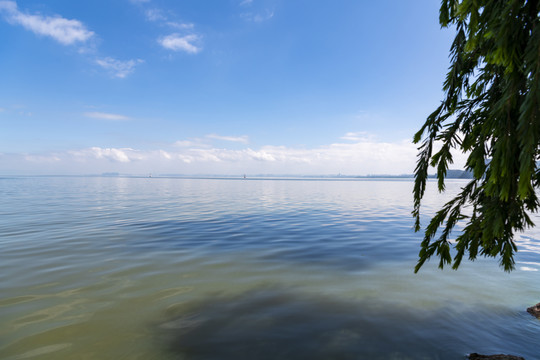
[219, 87]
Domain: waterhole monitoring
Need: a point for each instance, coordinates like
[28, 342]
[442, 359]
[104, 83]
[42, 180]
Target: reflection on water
[108, 268]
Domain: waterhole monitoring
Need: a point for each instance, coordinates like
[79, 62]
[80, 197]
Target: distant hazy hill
[450, 174]
[458, 174]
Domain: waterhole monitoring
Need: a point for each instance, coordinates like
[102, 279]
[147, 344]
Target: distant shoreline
[451, 174]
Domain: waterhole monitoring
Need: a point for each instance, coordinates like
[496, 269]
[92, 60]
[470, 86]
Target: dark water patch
[274, 323]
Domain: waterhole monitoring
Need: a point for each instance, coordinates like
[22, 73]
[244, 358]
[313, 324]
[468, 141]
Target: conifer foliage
[490, 112]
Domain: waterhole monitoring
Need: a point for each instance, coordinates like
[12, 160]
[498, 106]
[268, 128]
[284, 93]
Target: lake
[173, 268]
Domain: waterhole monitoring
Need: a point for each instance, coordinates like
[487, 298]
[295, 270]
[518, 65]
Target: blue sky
[217, 86]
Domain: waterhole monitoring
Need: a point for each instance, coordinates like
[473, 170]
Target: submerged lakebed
[169, 268]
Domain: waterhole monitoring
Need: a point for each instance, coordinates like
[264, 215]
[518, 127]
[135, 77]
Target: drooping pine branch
[491, 112]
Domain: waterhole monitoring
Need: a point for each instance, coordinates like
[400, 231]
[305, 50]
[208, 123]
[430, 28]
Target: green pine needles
[491, 113]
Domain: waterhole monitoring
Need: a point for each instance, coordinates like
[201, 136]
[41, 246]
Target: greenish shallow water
[137, 268]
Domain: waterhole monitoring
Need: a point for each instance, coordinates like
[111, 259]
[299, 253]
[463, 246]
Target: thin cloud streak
[241, 139]
[106, 116]
[258, 17]
[161, 17]
[155, 15]
[42, 158]
[357, 136]
[180, 26]
[193, 143]
[122, 155]
[119, 68]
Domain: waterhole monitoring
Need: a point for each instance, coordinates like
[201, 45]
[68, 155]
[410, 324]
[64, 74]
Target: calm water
[140, 268]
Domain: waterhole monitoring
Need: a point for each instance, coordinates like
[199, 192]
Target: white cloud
[165, 154]
[118, 68]
[106, 116]
[122, 155]
[65, 31]
[246, 2]
[2, 109]
[155, 15]
[357, 136]
[260, 155]
[177, 42]
[193, 143]
[241, 139]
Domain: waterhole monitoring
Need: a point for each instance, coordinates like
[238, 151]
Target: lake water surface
[164, 268]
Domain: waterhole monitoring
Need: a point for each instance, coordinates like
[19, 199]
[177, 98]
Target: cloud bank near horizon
[363, 157]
